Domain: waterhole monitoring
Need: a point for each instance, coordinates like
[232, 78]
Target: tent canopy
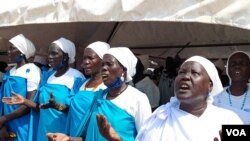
[161, 28]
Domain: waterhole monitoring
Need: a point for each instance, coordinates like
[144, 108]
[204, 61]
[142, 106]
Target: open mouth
[237, 73]
[184, 87]
[104, 77]
[50, 64]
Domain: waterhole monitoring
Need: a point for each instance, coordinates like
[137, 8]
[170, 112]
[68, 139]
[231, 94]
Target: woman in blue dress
[60, 84]
[92, 64]
[23, 78]
[125, 107]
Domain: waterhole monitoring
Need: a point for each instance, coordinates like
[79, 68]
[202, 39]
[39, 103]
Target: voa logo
[236, 132]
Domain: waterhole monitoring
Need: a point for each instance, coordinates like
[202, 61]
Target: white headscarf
[246, 53]
[126, 57]
[24, 45]
[100, 48]
[67, 47]
[211, 71]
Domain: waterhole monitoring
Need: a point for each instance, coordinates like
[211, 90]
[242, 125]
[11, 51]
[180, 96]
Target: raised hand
[15, 99]
[51, 103]
[106, 129]
[216, 139]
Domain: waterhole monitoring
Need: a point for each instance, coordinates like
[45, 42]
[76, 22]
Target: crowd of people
[114, 98]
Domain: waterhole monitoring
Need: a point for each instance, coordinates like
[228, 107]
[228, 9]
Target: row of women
[63, 105]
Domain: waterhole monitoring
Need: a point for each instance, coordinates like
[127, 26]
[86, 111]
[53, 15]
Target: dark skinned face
[55, 56]
[91, 63]
[192, 83]
[13, 53]
[111, 69]
[239, 68]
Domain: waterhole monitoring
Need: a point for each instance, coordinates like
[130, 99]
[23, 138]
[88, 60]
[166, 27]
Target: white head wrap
[246, 53]
[24, 45]
[211, 71]
[126, 57]
[67, 47]
[100, 48]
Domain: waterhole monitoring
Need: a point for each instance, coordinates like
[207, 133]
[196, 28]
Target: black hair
[139, 71]
[3, 66]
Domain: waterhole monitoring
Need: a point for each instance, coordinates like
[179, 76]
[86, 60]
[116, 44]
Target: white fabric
[212, 73]
[228, 12]
[24, 45]
[169, 123]
[126, 57]
[244, 52]
[222, 100]
[99, 87]
[100, 48]
[135, 103]
[66, 79]
[67, 47]
[147, 86]
[29, 71]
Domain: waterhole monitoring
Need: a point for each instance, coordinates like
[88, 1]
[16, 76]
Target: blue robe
[79, 105]
[120, 120]
[51, 120]
[21, 126]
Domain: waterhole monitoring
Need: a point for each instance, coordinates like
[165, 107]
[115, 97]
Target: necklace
[230, 100]
[112, 97]
[93, 88]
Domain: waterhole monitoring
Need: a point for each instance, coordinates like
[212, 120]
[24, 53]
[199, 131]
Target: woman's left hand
[106, 129]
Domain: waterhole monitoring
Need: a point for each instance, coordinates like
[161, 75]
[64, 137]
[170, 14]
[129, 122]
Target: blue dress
[51, 120]
[79, 105]
[120, 120]
[21, 126]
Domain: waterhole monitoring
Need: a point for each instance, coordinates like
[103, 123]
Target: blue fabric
[80, 103]
[119, 119]
[34, 118]
[77, 84]
[19, 125]
[51, 120]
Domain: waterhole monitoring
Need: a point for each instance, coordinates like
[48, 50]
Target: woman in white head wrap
[92, 64]
[23, 78]
[58, 85]
[188, 116]
[124, 107]
[68, 47]
[24, 45]
[236, 96]
[127, 60]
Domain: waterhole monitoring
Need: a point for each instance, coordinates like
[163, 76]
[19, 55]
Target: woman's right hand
[15, 99]
[51, 104]
[217, 139]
